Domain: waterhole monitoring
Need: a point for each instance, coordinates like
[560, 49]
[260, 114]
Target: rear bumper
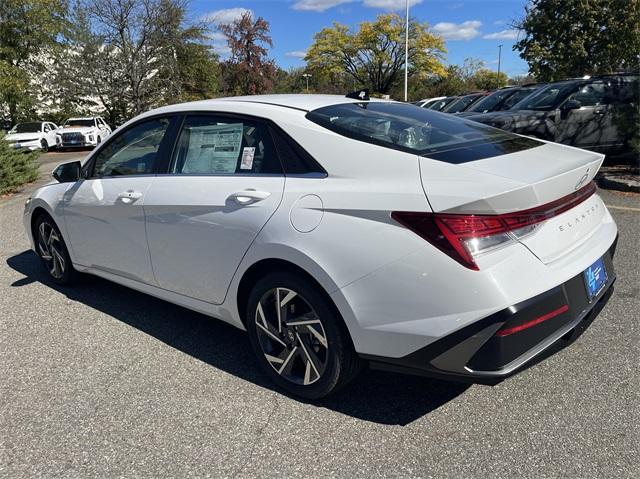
[477, 354]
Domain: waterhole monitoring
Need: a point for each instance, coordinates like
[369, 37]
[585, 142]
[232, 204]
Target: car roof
[294, 101]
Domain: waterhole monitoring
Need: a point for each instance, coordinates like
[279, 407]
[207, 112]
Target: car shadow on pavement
[374, 396]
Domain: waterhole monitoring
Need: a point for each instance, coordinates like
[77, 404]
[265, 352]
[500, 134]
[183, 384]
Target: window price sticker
[247, 158]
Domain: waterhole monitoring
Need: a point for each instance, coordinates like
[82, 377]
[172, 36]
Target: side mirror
[571, 105]
[67, 172]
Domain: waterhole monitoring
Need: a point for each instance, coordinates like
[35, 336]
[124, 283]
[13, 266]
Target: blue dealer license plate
[595, 278]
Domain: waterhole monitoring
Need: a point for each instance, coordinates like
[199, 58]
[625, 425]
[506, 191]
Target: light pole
[307, 76]
[499, 59]
[406, 52]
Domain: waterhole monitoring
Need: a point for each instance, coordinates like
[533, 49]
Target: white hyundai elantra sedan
[340, 232]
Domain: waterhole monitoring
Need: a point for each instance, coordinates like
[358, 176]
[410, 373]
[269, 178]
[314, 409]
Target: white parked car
[83, 132]
[33, 135]
[340, 232]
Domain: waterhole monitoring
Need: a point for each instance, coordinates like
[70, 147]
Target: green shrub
[16, 167]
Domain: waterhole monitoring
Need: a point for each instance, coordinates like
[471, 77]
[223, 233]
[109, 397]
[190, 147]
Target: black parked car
[463, 102]
[500, 100]
[594, 113]
[442, 103]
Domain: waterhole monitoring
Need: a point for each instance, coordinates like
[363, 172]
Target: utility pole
[307, 76]
[499, 59]
[406, 53]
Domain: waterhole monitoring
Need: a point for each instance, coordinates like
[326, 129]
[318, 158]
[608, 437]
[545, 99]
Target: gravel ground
[101, 381]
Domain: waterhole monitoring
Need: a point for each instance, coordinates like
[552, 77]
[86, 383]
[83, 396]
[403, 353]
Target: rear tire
[52, 250]
[304, 347]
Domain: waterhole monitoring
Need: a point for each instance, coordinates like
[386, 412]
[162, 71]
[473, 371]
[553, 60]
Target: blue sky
[472, 28]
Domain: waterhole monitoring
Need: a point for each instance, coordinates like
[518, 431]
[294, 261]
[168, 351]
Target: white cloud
[499, 22]
[225, 16]
[458, 31]
[296, 54]
[219, 44]
[317, 5]
[390, 4]
[502, 35]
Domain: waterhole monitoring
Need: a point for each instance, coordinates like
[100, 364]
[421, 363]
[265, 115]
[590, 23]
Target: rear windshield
[404, 127]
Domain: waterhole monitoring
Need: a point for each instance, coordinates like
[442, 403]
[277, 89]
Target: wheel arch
[35, 214]
[259, 269]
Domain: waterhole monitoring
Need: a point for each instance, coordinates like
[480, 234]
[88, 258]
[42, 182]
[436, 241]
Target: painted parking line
[623, 208]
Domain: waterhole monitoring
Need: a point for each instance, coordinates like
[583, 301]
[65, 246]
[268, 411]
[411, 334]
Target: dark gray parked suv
[595, 113]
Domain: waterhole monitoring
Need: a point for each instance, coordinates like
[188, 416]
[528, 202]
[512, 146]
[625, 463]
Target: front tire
[299, 337]
[44, 146]
[52, 250]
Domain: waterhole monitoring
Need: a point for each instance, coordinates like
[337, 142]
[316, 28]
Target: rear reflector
[464, 236]
[529, 324]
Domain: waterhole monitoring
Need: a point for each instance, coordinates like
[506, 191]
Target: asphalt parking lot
[101, 381]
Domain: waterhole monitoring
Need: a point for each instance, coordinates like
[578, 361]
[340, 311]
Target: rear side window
[295, 160]
[212, 145]
[415, 130]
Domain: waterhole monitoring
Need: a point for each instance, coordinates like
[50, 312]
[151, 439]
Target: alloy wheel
[291, 336]
[50, 249]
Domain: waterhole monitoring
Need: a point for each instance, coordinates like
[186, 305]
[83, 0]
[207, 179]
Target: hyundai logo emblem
[581, 181]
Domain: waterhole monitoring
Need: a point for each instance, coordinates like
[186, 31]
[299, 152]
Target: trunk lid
[520, 181]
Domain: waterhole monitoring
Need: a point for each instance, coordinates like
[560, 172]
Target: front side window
[547, 98]
[210, 145]
[132, 152]
[413, 130]
[591, 94]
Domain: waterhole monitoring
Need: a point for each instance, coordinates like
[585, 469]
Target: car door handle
[129, 197]
[248, 196]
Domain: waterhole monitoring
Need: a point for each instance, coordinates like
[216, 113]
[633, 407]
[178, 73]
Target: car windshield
[461, 104]
[78, 122]
[26, 128]
[489, 103]
[547, 98]
[413, 130]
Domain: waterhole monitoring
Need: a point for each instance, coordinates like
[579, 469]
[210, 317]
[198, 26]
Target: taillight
[465, 236]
